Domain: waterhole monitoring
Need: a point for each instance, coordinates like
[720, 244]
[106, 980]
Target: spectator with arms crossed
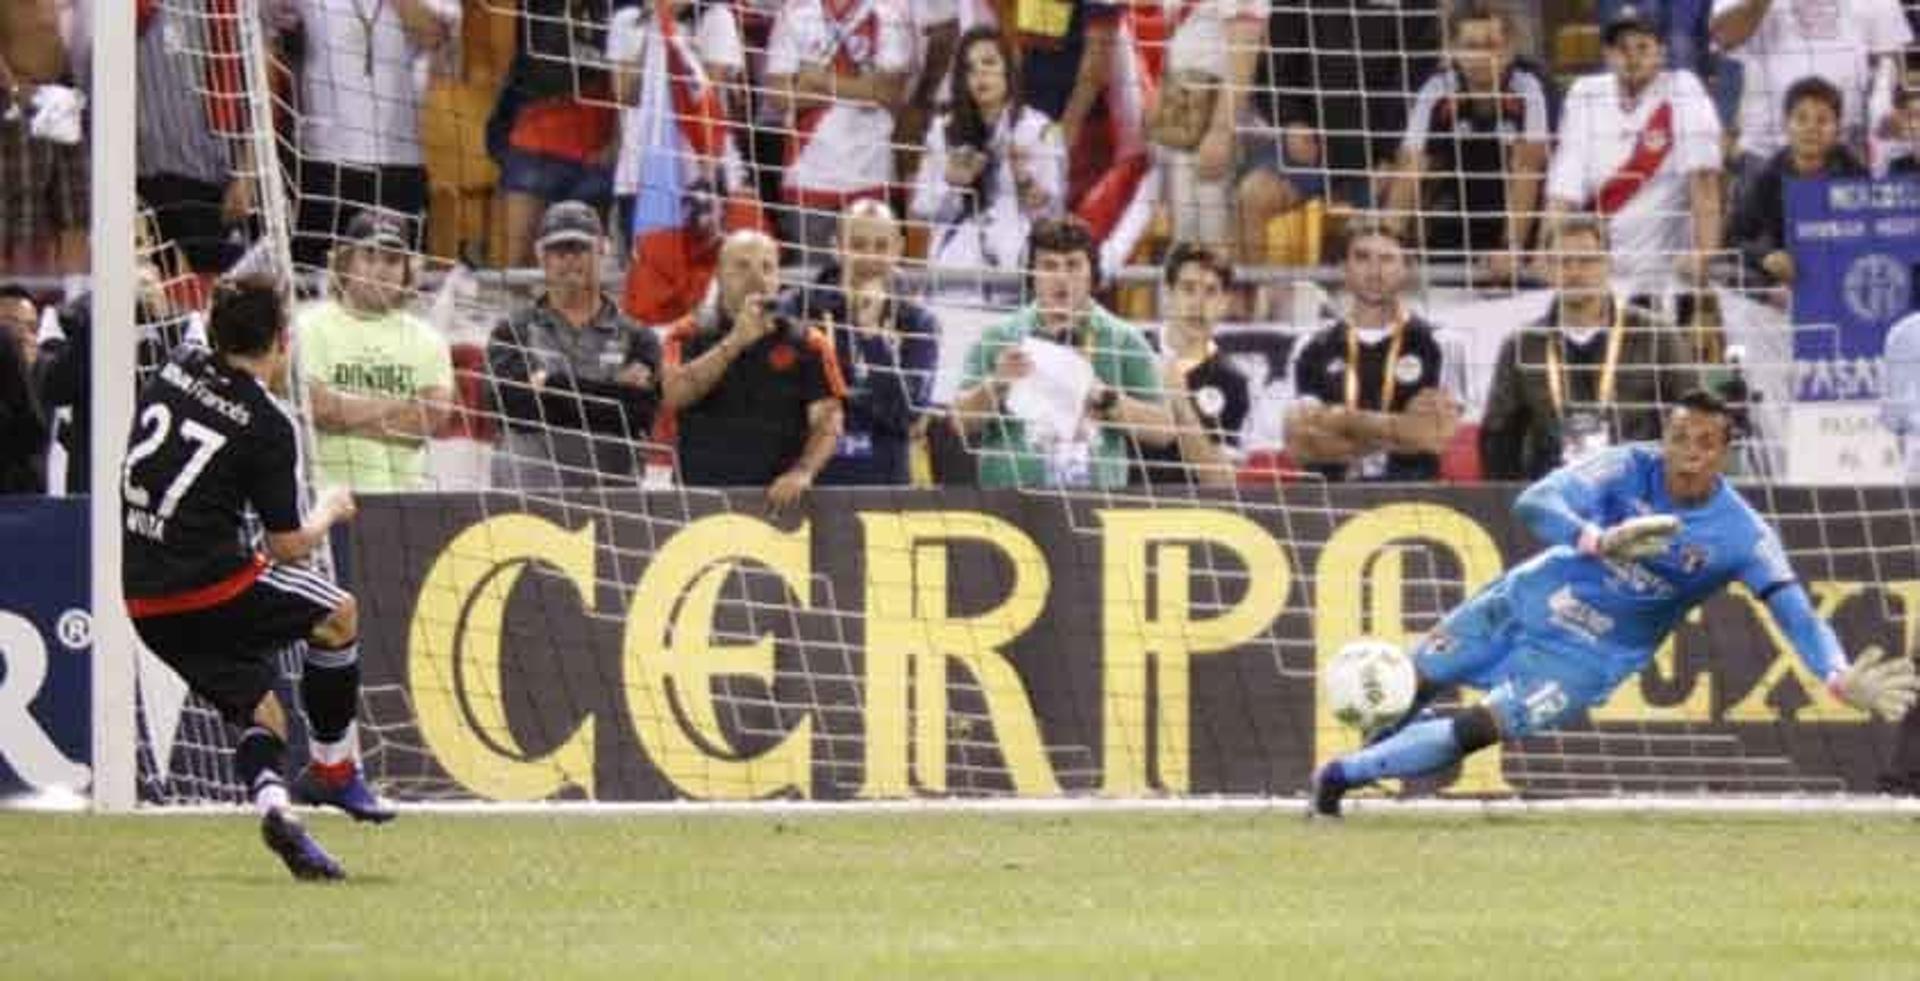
[1637, 538]
[380, 378]
[577, 380]
[1370, 402]
[1123, 399]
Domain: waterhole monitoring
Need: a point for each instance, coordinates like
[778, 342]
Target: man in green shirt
[380, 378]
[1020, 444]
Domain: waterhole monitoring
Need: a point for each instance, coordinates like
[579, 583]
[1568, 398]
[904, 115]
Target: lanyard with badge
[1584, 432]
[1374, 465]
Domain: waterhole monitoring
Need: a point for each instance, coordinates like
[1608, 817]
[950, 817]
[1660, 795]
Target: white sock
[342, 750]
[269, 794]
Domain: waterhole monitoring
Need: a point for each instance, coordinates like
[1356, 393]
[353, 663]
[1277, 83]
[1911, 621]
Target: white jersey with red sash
[1630, 161]
[843, 151]
[1197, 31]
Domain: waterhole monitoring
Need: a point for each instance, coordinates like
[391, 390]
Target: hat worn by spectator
[371, 228]
[1629, 18]
[568, 221]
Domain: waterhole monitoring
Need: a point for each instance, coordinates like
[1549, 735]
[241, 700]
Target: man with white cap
[576, 380]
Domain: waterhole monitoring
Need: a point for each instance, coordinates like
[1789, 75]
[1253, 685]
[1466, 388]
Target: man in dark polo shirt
[1370, 404]
[576, 380]
[757, 395]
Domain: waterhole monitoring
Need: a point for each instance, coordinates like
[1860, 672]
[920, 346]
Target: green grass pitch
[1240, 894]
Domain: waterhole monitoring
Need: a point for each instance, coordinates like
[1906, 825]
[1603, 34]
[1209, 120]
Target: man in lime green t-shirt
[1018, 448]
[381, 379]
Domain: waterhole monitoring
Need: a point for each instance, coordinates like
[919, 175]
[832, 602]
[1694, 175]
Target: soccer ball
[1369, 684]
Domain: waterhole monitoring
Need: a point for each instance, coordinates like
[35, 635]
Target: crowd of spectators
[1626, 156]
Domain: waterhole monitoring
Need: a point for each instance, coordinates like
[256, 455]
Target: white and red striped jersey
[1629, 160]
[844, 150]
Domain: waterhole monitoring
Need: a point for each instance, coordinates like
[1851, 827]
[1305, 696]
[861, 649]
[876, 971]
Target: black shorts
[228, 653]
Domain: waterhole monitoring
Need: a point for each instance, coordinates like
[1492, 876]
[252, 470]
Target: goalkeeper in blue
[1640, 535]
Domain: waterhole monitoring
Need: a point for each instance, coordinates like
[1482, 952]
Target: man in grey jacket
[576, 381]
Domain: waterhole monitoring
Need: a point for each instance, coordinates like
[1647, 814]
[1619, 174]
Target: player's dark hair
[15, 291]
[249, 315]
[1816, 88]
[1185, 253]
[1063, 234]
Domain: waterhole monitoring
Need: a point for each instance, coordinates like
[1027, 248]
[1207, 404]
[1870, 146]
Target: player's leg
[328, 618]
[291, 604]
[1539, 689]
[258, 761]
[238, 681]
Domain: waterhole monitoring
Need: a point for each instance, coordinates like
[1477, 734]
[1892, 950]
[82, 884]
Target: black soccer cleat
[347, 791]
[1324, 794]
[304, 857]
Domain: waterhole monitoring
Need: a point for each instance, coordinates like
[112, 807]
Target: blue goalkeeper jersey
[1620, 612]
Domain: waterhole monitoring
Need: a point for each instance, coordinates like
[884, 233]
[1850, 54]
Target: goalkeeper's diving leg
[1537, 691]
[1466, 648]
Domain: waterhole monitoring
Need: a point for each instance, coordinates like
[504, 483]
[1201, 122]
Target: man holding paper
[1054, 393]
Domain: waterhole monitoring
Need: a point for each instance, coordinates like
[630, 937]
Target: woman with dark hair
[993, 164]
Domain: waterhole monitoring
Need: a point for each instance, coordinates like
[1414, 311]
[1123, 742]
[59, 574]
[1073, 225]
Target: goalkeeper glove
[1635, 538]
[1885, 687]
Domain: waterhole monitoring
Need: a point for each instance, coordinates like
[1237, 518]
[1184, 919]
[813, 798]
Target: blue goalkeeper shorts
[1530, 686]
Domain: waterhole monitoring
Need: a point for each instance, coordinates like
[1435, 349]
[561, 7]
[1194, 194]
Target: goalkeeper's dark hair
[1702, 400]
[249, 315]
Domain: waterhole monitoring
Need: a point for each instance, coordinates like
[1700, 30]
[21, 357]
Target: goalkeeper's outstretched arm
[1879, 684]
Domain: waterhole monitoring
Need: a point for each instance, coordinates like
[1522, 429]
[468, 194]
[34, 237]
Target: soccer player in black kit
[210, 442]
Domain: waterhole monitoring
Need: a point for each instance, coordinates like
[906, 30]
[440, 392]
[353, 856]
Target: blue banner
[1856, 250]
[46, 644]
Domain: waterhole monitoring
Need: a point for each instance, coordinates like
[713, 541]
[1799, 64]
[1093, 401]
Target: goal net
[1052, 591]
